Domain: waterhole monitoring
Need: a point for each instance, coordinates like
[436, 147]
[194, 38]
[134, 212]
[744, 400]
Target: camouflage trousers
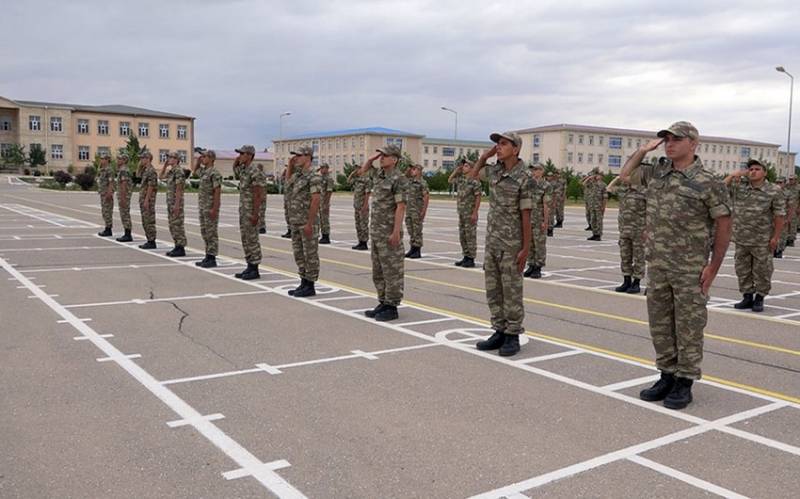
[148, 213]
[596, 220]
[387, 269]
[414, 228]
[107, 209]
[784, 237]
[793, 227]
[559, 209]
[754, 268]
[504, 290]
[556, 213]
[208, 230]
[588, 215]
[262, 215]
[124, 204]
[631, 254]
[286, 209]
[176, 228]
[468, 235]
[250, 243]
[306, 252]
[325, 218]
[676, 308]
[537, 256]
[362, 224]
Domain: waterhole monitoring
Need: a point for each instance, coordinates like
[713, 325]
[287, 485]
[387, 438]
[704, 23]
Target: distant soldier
[631, 222]
[124, 193]
[418, 197]
[105, 186]
[758, 216]
[588, 192]
[542, 195]
[559, 199]
[596, 202]
[262, 217]
[148, 189]
[784, 238]
[209, 197]
[252, 185]
[468, 205]
[175, 178]
[792, 206]
[389, 194]
[508, 240]
[304, 190]
[362, 187]
[327, 186]
[285, 178]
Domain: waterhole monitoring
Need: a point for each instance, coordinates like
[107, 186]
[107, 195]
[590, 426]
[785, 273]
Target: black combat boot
[681, 394]
[325, 239]
[625, 286]
[559, 224]
[758, 303]
[635, 289]
[494, 341]
[588, 228]
[201, 262]
[414, 252]
[251, 272]
[361, 246]
[469, 262]
[125, 238]
[460, 262]
[105, 232]
[790, 242]
[372, 312]
[537, 272]
[148, 245]
[262, 230]
[305, 290]
[550, 232]
[529, 271]
[389, 313]
[510, 345]
[177, 251]
[777, 254]
[660, 389]
[294, 291]
[288, 234]
[747, 302]
[209, 263]
[593, 238]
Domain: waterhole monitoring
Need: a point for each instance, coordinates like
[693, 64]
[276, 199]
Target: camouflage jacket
[149, 179]
[388, 190]
[542, 195]
[598, 194]
[174, 177]
[304, 184]
[105, 180]
[468, 189]
[326, 185]
[511, 194]
[249, 177]
[124, 178]
[754, 211]
[417, 188]
[210, 179]
[632, 209]
[362, 185]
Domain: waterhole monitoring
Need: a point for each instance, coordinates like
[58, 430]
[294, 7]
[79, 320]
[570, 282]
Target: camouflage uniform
[631, 221]
[262, 216]
[326, 185]
[681, 209]
[588, 192]
[175, 177]
[210, 179]
[362, 186]
[511, 193]
[793, 191]
[124, 203]
[784, 237]
[286, 181]
[302, 186]
[559, 185]
[542, 195]
[105, 181]
[468, 189]
[417, 188]
[595, 203]
[754, 212]
[148, 212]
[388, 190]
[249, 177]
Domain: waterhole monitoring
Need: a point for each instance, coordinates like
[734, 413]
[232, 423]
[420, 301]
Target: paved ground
[127, 373]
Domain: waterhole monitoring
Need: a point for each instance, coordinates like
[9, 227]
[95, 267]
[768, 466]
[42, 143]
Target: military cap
[324, 165]
[512, 137]
[303, 151]
[123, 154]
[680, 129]
[246, 149]
[752, 162]
[595, 171]
[104, 155]
[462, 161]
[781, 179]
[145, 153]
[174, 154]
[390, 150]
[206, 152]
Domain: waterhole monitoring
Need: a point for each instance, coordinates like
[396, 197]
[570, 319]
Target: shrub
[85, 180]
[62, 177]
[90, 170]
[71, 169]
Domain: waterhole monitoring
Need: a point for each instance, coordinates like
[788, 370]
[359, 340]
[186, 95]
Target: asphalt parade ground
[126, 373]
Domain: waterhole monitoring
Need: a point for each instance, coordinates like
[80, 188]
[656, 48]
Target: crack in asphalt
[184, 316]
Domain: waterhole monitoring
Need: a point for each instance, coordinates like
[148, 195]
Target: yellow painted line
[754, 389]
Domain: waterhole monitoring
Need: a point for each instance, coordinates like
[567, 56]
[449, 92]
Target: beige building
[583, 147]
[73, 135]
[443, 153]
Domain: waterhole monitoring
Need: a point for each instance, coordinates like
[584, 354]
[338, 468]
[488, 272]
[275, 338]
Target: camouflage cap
[680, 129]
[324, 165]
[512, 137]
[209, 153]
[246, 149]
[781, 179]
[123, 154]
[104, 155]
[303, 151]
[145, 153]
[595, 171]
[173, 154]
[391, 150]
[752, 162]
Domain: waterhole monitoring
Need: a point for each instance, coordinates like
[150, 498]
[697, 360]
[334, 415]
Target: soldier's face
[538, 173]
[506, 150]
[103, 162]
[756, 173]
[388, 161]
[679, 147]
[121, 162]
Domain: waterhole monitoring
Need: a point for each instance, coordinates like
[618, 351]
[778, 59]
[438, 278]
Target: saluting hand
[652, 145]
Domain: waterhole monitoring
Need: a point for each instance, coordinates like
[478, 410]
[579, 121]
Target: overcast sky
[236, 65]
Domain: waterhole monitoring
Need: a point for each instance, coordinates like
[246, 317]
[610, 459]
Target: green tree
[133, 149]
[437, 181]
[341, 179]
[14, 156]
[471, 156]
[36, 157]
[405, 162]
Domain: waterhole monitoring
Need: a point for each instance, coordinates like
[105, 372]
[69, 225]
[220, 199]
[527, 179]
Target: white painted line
[269, 369]
[117, 358]
[243, 472]
[429, 321]
[631, 382]
[101, 267]
[337, 298]
[279, 281]
[63, 248]
[551, 356]
[683, 477]
[70, 321]
[211, 376]
[365, 355]
[186, 422]
[142, 301]
[80, 338]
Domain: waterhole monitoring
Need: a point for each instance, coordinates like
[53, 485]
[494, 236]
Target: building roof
[105, 109]
[376, 130]
[629, 131]
[231, 154]
[481, 143]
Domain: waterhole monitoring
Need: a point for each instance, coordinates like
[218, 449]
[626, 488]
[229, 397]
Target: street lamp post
[781, 69]
[280, 138]
[455, 113]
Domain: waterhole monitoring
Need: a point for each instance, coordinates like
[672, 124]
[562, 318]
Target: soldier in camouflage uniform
[418, 198]
[631, 222]
[688, 217]
[508, 240]
[542, 195]
[175, 178]
[262, 216]
[327, 185]
[305, 188]
[105, 186]
[124, 193]
[588, 192]
[559, 199]
[758, 215]
[148, 190]
[468, 204]
[362, 187]
[209, 198]
[285, 178]
[784, 238]
[596, 202]
[793, 192]
[389, 195]
[252, 184]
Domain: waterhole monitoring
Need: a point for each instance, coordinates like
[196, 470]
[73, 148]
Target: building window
[536, 157]
[5, 126]
[614, 143]
[34, 123]
[569, 157]
[361, 158]
[600, 159]
[591, 140]
[580, 139]
[570, 138]
[102, 127]
[5, 150]
[124, 128]
[425, 163]
[435, 150]
[449, 164]
[580, 157]
[352, 142]
[182, 153]
[630, 142]
[536, 141]
[727, 149]
[448, 151]
[589, 158]
[434, 163]
[361, 142]
[426, 149]
[55, 124]
[714, 148]
[705, 147]
[600, 140]
[397, 141]
[83, 153]
[83, 127]
[182, 132]
[614, 161]
[162, 155]
[745, 152]
[728, 165]
[103, 150]
[163, 131]
[638, 143]
[144, 130]
[56, 151]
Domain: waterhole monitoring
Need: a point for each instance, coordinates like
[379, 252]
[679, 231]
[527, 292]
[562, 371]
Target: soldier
[124, 193]
[542, 194]
[325, 207]
[782, 241]
[208, 200]
[758, 215]
[508, 239]
[362, 187]
[631, 222]
[418, 198]
[468, 204]
[147, 198]
[686, 208]
[304, 190]
[252, 185]
[559, 199]
[588, 192]
[176, 181]
[596, 203]
[105, 186]
[262, 218]
[285, 178]
[389, 194]
[793, 191]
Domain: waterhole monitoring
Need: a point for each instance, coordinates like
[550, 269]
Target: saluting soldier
[209, 198]
[124, 193]
[596, 202]
[467, 205]
[175, 178]
[542, 193]
[327, 185]
[305, 189]
[418, 198]
[105, 187]
[362, 187]
[631, 222]
[262, 217]
[148, 190]
[252, 184]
